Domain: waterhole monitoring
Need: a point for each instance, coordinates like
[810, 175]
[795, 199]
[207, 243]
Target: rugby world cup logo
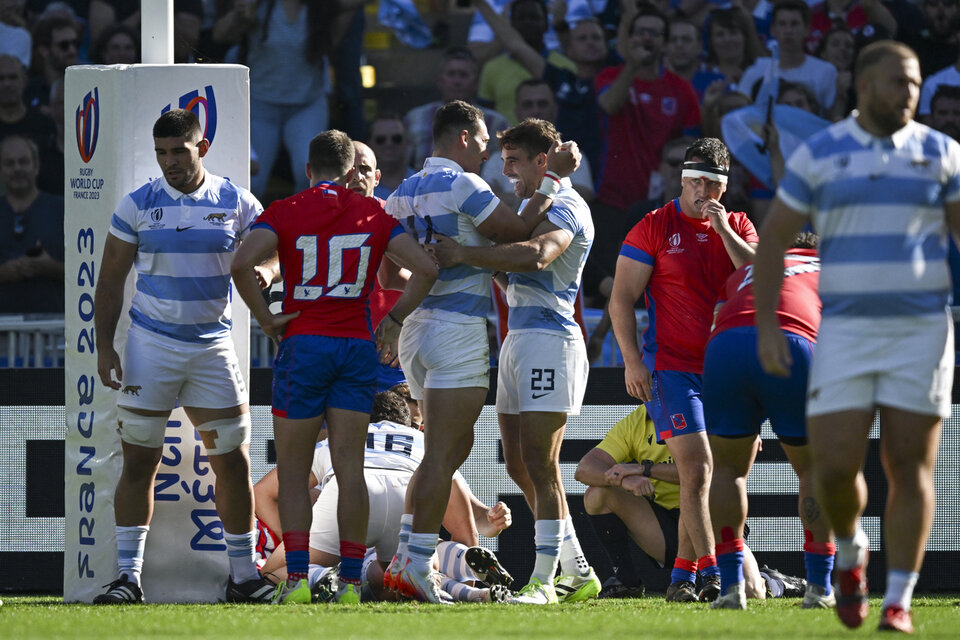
[205, 108]
[88, 124]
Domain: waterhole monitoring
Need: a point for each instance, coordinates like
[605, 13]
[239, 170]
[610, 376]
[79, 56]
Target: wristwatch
[647, 467]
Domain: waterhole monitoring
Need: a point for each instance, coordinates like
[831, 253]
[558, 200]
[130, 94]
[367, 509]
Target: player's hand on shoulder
[445, 250]
[563, 158]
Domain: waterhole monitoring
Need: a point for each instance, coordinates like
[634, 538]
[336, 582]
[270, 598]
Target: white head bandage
[705, 170]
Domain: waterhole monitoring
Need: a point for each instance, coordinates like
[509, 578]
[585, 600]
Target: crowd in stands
[624, 79]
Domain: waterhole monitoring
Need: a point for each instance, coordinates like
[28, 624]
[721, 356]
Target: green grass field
[48, 617]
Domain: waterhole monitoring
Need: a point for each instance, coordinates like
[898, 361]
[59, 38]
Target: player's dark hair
[331, 154]
[805, 240]
[390, 406]
[178, 123]
[402, 389]
[710, 150]
[532, 135]
[454, 117]
[876, 52]
[791, 5]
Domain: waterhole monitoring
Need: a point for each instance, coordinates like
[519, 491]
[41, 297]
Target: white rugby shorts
[542, 372]
[863, 364]
[386, 490]
[159, 371]
[440, 354]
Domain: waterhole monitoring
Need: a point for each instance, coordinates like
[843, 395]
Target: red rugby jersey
[330, 243]
[799, 308]
[690, 265]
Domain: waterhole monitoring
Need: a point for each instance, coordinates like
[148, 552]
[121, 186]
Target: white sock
[406, 528]
[130, 544]
[461, 592]
[316, 572]
[851, 552]
[453, 561]
[900, 586]
[548, 535]
[241, 550]
[420, 551]
[572, 560]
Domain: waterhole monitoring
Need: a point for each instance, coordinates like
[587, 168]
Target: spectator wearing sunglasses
[31, 234]
[56, 43]
[391, 144]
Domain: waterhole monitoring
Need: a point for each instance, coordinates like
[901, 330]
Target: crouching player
[634, 494]
[738, 396]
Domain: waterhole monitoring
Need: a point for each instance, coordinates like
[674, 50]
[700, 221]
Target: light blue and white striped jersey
[456, 203]
[878, 205]
[543, 301]
[185, 243]
[390, 445]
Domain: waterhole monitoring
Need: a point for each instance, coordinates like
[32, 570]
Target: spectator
[31, 245]
[187, 21]
[391, 145]
[484, 44]
[345, 63]
[945, 111]
[56, 42]
[867, 19]
[947, 76]
[50, 179]
[684, 56]
[577, 115]
[789, 25]
[643, 106]
[15, 116]
[839, 48]
[502, 74]
[534, 100]
[288, 102]
[937, 42]
[14, 37]
[457, 80]
[732, 43]
[117, 44]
